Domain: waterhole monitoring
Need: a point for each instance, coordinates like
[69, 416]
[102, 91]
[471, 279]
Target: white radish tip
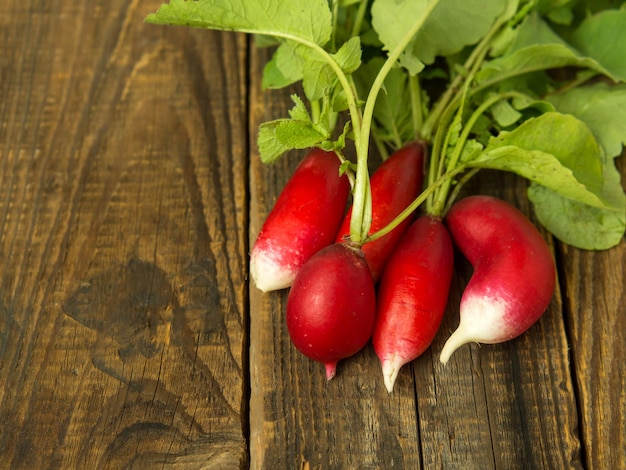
[481, 321]
[331, 370]
[269, 275]
[455, 341]
[391, 367]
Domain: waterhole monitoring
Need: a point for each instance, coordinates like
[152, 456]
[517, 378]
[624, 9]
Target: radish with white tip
[514, 272]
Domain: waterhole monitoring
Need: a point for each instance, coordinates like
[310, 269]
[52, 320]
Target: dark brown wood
[595, 316]
[123, 240]
[130, 335]
[595, 301]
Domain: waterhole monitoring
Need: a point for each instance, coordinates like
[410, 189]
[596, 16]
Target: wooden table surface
[130, 334]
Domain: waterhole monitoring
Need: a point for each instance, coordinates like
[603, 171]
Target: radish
[514, 273]
[331, 306]
[412, 295]
[394, 185]
[305, 219]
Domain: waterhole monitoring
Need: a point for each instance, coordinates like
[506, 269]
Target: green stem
[345, 83]
[358, 21]
[387, 66]
[414, 205]
[333, 39]
[416, 105]
[440, 106]
[361, 208]
[349, 173]
[380, 146]
[437, 158]
[457, 188]
[444, 115]
[361, 193]
[473, 62]
[441, 197]
[315, 110]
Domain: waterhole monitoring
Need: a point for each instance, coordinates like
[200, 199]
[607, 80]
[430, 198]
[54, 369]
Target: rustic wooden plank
[123, 218]
[298, 419]
[595, 315]
[123, 162]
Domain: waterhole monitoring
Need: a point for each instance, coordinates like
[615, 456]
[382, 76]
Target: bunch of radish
[393, 289]
[484, 97]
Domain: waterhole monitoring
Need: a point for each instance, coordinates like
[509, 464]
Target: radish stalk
[394, 185]
[514, 272]
[362, 205]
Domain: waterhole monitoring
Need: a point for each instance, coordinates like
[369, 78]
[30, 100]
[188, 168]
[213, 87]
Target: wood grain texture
[122, 214]
[595, 299]
[130, 335]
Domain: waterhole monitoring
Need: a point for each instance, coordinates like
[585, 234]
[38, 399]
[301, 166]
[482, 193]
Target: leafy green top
[311, 20]
[535, 87]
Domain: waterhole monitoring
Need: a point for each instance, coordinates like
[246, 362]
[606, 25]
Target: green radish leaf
[533, 31]
[505, 114]
[469, 20]
[339, 101]
[346, 166]
[540, 167]
[310, 21]
[392, 20]
[603, 108]
[580, 225]
[513, 14]
[546, 6]
[292, 62]
[577, 224]
[603, 38]
[392, 113]
[281, 135]
[561, 15]
[261, 41]
[284, 69]
[318, 77]
[299, 111]
[525, 102]
[451, 26]
[349, 55]
[471, 149]
[340, 143]
[554, 150]
[298, 134]
[509, 112]
[532, 59]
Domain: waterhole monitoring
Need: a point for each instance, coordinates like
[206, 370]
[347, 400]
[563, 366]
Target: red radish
[394, 185]
[331, 306]
[304, 220]
[514, 273]
[412, 295]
